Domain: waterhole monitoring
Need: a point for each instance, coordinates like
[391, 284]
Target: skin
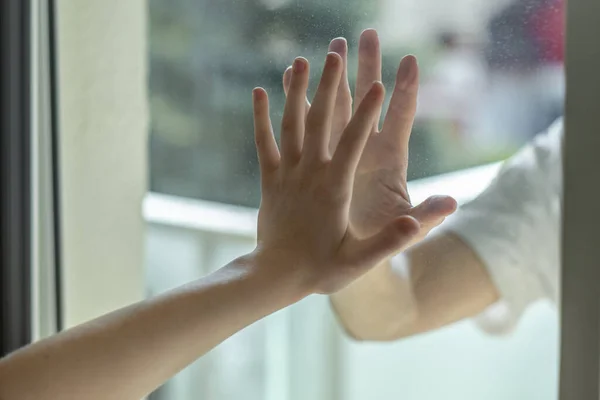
[446, 280]
[306, 244]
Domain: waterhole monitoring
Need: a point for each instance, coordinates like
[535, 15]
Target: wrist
[279, 273]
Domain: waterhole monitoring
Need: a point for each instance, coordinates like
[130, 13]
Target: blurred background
[491, 78]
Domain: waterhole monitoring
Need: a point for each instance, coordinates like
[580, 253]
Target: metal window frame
[30, 279]
[580, 306]
[15, 175]
[45, 249]
[55, 159]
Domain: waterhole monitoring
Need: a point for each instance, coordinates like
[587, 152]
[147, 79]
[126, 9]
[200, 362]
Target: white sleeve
[514, 227]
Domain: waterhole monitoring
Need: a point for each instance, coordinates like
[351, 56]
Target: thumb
[389, 241]
[433, 210]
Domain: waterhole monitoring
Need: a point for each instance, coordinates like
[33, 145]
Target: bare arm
[305, 245]
[446, 279]
[446, 282]
[130, 352]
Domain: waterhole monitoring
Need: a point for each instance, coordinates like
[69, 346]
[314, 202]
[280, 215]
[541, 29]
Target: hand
[304, 217]
[380, 190]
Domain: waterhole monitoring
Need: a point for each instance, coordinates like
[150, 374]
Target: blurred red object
[548, 29]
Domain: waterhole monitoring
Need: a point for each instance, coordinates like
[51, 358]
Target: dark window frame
[580, 305]
[55, 154]
[15, 174]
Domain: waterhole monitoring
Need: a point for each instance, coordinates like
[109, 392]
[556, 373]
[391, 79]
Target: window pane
[491, 79]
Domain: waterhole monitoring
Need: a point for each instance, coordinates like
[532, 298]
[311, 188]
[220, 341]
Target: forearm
[129, 353]
[377, 306]
[445, 282]
[449, 283]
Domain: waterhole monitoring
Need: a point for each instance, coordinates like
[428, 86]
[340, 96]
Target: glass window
[491, 79]
[491, 76]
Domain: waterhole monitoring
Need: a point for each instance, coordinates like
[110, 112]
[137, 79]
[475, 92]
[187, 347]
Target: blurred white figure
[452, 91]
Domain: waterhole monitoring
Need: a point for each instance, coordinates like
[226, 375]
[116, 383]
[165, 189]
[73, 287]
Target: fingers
[369, 66]
[319, 119]
[399, 119]
[287, 80]
[349, 150]
[340, 46]
[343, 103]
[292, 123]
[266, 147]
[433, 210]
[391, 240]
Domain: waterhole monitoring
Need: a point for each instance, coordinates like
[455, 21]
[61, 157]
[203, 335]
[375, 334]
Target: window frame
[45, 242]
[29, 204]
[580, 305]
[15, 175]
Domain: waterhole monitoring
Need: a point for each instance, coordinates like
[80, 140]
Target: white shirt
[514, 227]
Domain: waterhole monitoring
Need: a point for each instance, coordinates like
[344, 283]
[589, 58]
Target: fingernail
[299, 65]
[338, 45]
[407, 72]
[368, 39]
[257, 93]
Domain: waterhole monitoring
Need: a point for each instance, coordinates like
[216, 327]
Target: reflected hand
[380, 189]
[304, 217]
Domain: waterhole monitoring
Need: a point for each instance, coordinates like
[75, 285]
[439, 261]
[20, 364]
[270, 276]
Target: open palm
[380, 191]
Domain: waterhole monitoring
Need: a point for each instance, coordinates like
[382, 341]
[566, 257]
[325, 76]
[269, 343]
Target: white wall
[103, 119]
